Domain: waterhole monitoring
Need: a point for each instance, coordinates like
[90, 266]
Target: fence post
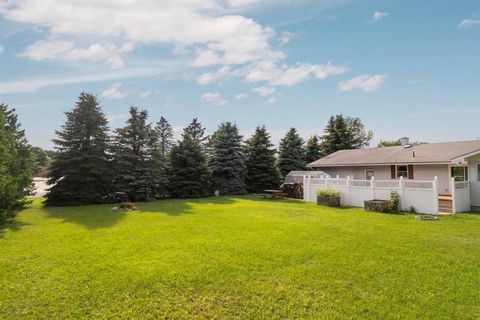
[452, 190]
[338, 176]
[306, 188]
[372, 186]
[347, 201]
[401, 186]
[435, 195]
[326, 182]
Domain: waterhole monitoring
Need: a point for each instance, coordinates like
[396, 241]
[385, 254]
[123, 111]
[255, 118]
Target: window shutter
[392, 171]
[410, 171]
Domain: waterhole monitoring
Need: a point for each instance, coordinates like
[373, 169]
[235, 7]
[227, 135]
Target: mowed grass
[237, 257]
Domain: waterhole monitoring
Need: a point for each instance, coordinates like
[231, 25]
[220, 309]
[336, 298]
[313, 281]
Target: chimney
[405, 141]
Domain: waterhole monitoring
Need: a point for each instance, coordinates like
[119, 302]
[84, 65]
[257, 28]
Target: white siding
[474, 183]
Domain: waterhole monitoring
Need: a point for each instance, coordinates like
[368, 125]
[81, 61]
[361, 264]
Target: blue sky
[406, 68]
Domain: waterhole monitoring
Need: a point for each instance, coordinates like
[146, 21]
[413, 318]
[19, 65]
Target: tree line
[143, 160]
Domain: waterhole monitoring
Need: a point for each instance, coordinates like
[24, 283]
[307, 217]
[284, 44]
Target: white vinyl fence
[461, 196]
[423, 195]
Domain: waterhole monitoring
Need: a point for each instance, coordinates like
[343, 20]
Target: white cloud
[378, 15]
[285, 37]
[33, 84]
[465, 23]
[272, 100]
[241, 96]
[114, 92]
[213, 98]
[145, 94]
[1, 49]
[366, 83]
[289, 76]
[112, 118]
[415, 81]
[210, 77]
[264, 91]
[66, 50]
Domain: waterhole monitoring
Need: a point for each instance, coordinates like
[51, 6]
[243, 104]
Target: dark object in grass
[293, 190]
[384, 206]
[125, 206]
[426, 217]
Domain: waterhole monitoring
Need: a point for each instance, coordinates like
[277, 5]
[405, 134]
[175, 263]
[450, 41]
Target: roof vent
[405, 141]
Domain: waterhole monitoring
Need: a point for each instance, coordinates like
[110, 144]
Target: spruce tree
[260, 162]
[16, 164]
[80, 172]
[195, 131]
[313, 150]
[227, 160]
[188, 171]
[136, 158]
[164, 134]
[291, 155]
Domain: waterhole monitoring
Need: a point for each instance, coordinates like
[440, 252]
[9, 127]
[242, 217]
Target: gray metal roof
[444, 152]
[297, 176]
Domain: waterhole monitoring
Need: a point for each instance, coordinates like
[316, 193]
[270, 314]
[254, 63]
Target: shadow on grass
[177, 207]
[14, 226]
[91, 216]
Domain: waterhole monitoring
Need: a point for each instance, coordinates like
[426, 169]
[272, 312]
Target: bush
[328, 192]
[395, 201]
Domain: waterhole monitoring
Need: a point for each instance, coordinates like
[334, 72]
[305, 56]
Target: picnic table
[274, 194]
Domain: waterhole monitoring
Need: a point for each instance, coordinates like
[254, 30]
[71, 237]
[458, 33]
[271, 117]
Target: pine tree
[188, 171]
[195, 131]
[291, 155]
[227, 160]
[80, 173]
[16, 164]
[164, 133]
[313, 150]
[136, 158]
[260, 162]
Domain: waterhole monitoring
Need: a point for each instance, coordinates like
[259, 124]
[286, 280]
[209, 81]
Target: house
[458, 160]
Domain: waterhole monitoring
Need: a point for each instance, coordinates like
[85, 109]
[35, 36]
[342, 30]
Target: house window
[402, 171]
[369, 174]
[460, 173]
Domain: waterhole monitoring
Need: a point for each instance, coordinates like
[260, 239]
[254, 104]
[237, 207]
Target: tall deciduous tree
[80, 172]
[189, 176]
[291, 154]
[313, 150]
[227, 160]
[136, 158]
[260, 162]
[344, 133]
[16, 164]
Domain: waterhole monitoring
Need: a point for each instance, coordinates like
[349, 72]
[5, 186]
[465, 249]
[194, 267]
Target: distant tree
[313, 149]
[80, 172]
[42, 160]
[389, 143]
[189, 176]
[260, 162]
[343, 133]
[195, 131]
[227, 160]
[164, 134]
[16, 164]
[136, 158]
[291, 155]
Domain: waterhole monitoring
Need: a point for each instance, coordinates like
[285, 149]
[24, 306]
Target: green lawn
[237, 257]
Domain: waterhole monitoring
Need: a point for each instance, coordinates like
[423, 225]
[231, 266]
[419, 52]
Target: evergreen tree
[137, 158]
[195, 131]
[344, 133]
[291, 155]
[227, 160]
[260, 162]
[188, 171]
[16, 164]
[164, 133]
[80, 172]
[313, 150]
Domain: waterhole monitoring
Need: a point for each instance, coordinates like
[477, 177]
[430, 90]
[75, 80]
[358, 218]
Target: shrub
[412, 209]
[395, 201]
[328, 192]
